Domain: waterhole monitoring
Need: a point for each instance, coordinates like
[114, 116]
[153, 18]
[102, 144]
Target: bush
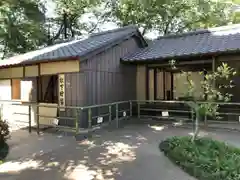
[4, 132]
[205, 159]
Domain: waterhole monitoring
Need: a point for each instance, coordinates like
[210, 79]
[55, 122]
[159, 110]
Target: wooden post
[89, 118]
[164, 85]
[110, 114]
[39, 97]
[130, 109]
[29, 119]
[214, 84]
[138, 110]
[38, 124]
[117, 115]
[76, 122]
[213, 70]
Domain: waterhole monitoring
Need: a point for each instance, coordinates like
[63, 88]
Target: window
[16, 89]
[26, 90]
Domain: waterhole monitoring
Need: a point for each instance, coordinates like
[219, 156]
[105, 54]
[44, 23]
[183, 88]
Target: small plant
[4, 131]
[214, 85]
[4, 134]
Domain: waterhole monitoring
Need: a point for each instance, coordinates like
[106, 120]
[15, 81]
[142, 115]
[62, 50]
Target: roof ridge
[114, 30]
[199, 31]
[202, 31]
[224, 28]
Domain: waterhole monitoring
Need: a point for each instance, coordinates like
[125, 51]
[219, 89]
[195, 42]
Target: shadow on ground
[129, 153]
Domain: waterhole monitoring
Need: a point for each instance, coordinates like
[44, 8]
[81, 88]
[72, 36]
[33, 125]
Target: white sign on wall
[165, 114]
[99, 120]
[61, 92]
[124, 114]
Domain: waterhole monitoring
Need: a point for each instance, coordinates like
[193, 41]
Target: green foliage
[4, 131]
[170, 16]
[236, 13]
[74, 7]
[4, 135]
[68, 20]
[215, 86]
[21, 26]
[205, 159]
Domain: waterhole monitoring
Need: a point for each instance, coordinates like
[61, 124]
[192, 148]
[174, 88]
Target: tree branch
[144, 31]
[56, 36]
[103, 17]
[170, 20]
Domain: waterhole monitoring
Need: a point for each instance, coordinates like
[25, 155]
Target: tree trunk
[205, 121]
[196, 128]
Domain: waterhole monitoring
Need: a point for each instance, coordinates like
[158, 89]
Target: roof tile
[75, 48]
[200, 42]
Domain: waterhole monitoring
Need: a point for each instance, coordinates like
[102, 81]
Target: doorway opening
[159, 84]
[48, 89]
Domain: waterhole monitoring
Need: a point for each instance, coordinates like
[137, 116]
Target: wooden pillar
[39, 85]
[172, 95]
[205, 95]
[39, 97]
[164, 85]
[214, 69]
[147, 83]
[24, 71]
[155, 83]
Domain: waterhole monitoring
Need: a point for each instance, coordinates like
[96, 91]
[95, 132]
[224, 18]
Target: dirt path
[130, 153]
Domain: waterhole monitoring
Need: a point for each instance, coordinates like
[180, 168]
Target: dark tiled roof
[201, 42]
[72, 49]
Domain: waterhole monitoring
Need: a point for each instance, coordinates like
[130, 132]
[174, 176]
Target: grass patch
[205, 159]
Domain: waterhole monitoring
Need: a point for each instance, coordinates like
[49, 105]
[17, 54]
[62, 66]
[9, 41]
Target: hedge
[205, 158]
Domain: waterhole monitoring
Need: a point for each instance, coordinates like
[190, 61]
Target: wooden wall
[141, 82]
[105, 79]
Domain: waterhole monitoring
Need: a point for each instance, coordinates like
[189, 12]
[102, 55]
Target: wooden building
[112, 66]
[76, 73]
[193, 52]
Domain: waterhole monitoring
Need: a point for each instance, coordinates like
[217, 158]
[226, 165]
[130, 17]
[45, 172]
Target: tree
[21, 26]
[236, 13]
[68, 20]
[215, 86]
[171, 16]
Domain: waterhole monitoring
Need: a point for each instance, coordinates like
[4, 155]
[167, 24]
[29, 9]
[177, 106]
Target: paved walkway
[130, 153]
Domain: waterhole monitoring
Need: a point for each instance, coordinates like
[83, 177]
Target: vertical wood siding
[102, 79]
[74, 95]
[106, 79]
[141, 82]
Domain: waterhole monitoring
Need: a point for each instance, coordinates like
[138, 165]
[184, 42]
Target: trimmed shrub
[205, 158]
[4, 134]
[4, 131]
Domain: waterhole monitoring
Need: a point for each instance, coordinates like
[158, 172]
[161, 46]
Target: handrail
[102, 105]
[76, 113]
[114, 111]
